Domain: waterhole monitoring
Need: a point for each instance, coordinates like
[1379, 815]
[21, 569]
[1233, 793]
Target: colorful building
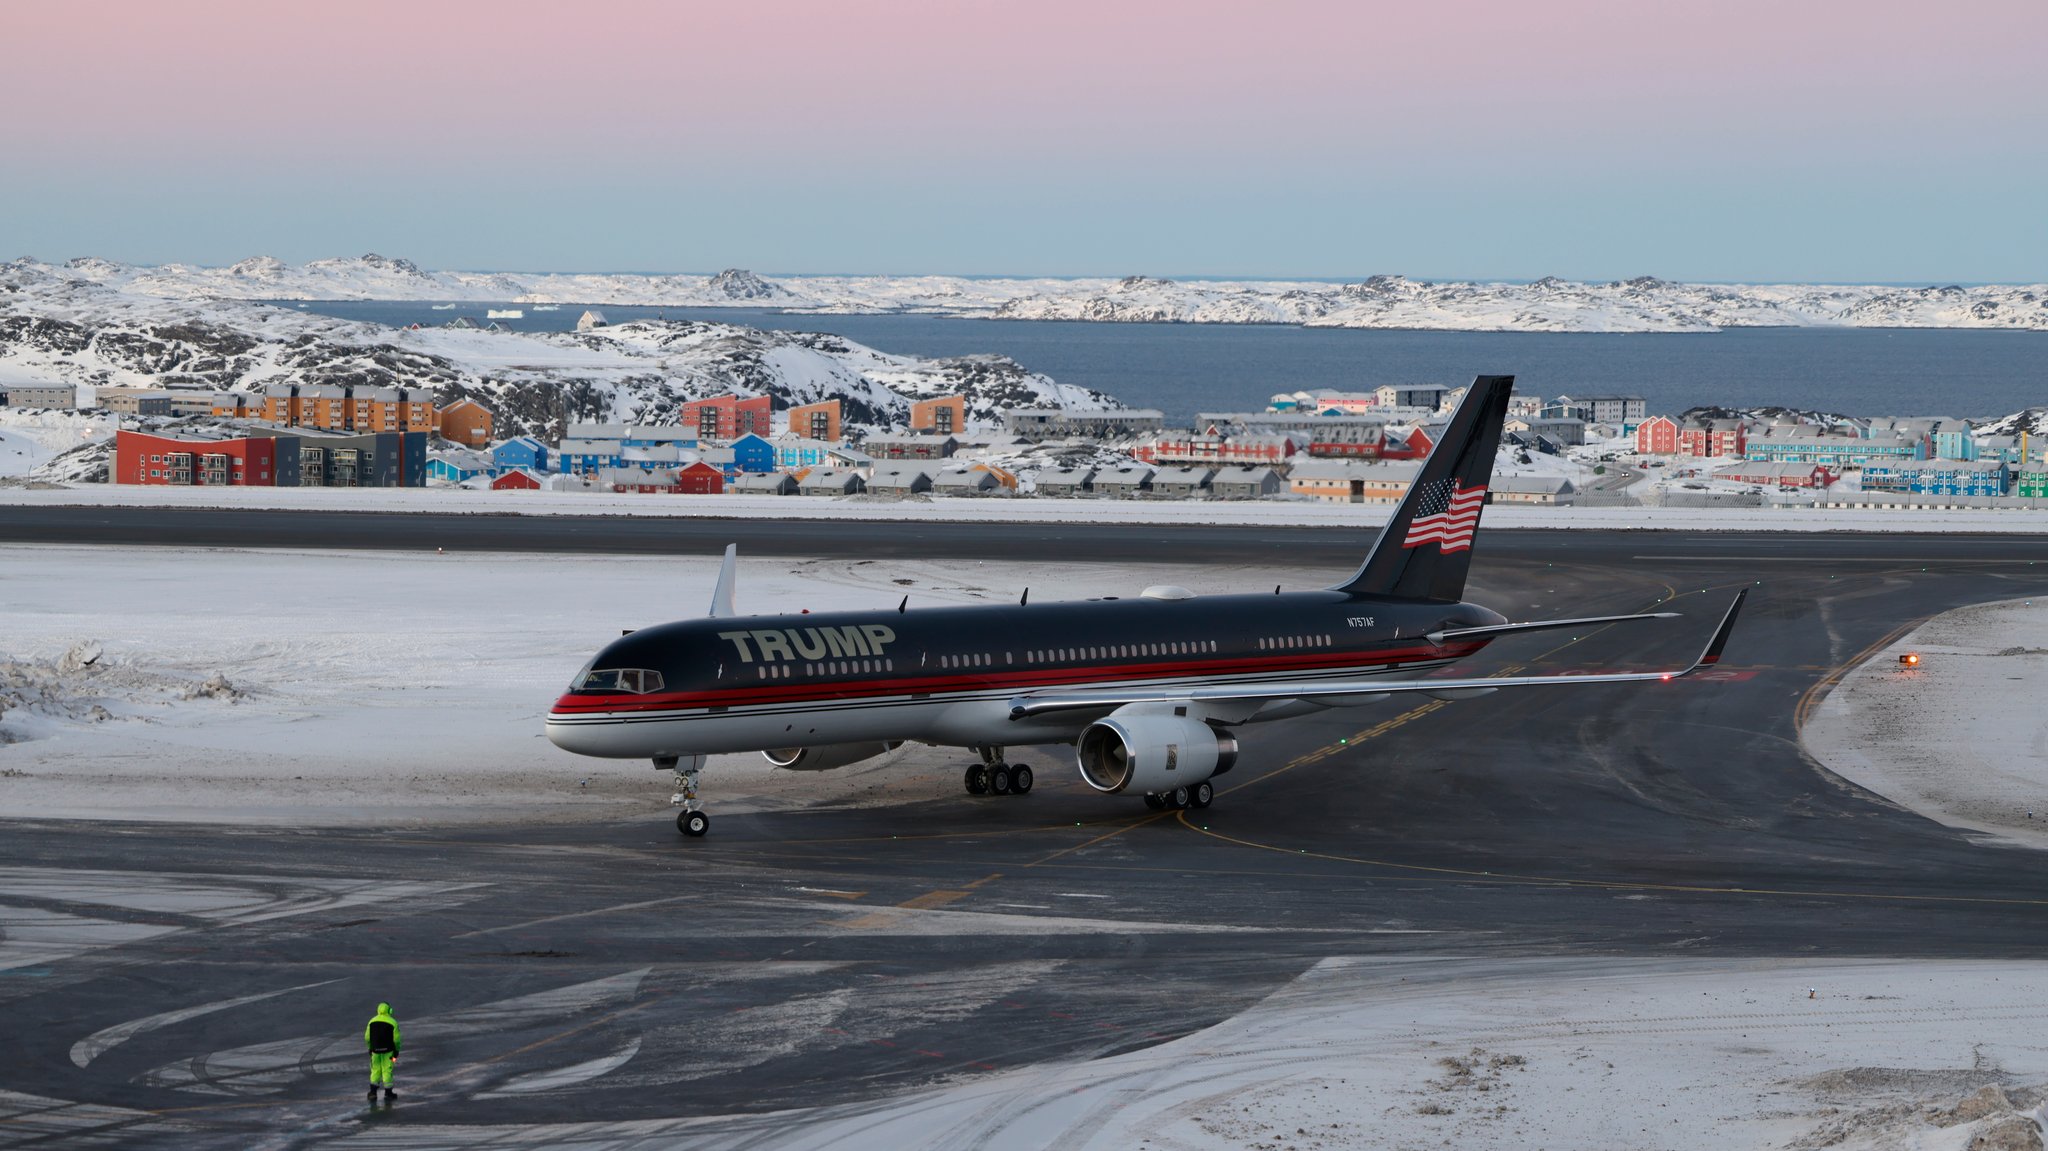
[727, 417]
[520, 452]
[181, 461]
[939, 416]
[464, 422]
[1657, 436]
[1937, 477]
[454, 465]
[1216, 449]
[816, 421]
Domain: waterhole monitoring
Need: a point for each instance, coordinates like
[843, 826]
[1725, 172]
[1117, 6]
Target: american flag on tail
[1446, 515]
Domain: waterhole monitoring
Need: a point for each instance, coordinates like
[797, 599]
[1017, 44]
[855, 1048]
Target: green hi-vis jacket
[381, 1036]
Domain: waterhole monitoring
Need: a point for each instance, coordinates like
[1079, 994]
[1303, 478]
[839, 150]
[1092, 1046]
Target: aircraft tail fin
[1426, 547]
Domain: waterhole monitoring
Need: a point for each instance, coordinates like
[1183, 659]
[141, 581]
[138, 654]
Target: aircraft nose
[566, 735]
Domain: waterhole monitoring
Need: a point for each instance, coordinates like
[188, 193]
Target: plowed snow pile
[1962, 738]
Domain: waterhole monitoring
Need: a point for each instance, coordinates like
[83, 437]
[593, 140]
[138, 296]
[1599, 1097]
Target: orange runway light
[1910, 659]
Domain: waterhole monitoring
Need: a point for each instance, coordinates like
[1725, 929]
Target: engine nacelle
[828, 756]
[1147, 753]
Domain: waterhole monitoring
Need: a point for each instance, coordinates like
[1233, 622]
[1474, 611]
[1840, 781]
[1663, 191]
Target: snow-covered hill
[1643, 304]
[58, 326]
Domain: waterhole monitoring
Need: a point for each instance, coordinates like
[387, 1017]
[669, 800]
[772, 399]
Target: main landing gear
[691, 821]
[1199, 796]
[994, 777]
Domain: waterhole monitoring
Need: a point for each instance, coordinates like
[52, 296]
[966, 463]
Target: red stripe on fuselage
[1010, 678]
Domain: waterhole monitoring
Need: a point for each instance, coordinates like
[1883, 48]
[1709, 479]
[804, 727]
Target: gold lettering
[772, 643]
[879, 635]
[739, 638]
[807, 643]
[845, 641]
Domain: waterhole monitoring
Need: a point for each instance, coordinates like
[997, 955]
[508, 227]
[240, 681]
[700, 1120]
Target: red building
[1367, 442]
[1214, 449]
[1657, 436]
[700, 479]
[726, 417]
[1714, 438]
[141, 458]
[516, 480]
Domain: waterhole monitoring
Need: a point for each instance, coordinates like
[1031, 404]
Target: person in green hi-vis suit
[381, 1037]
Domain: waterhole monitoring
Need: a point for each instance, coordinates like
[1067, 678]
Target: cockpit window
[627, 680]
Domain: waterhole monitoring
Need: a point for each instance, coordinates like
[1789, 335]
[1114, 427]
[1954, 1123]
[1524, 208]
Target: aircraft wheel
[999, 780]
[1202, 794]
[1179, 799]
[1153, 801]
[693, 823]
[1020, 778]
[977, 780]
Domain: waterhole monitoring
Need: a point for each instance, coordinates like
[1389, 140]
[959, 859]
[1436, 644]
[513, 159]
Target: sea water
[1182, 369]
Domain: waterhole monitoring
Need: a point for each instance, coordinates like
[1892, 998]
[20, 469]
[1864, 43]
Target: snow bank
[1961, 738]
[1299, 513]
[1563, 1053]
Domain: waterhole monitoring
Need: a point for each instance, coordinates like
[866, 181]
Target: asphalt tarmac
[197, 987]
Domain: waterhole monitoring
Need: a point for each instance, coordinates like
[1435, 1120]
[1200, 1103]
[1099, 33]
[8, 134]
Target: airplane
[1150, 691]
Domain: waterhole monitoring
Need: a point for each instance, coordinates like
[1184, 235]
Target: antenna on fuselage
[904, 606]
[721, 593]
[1025, 598]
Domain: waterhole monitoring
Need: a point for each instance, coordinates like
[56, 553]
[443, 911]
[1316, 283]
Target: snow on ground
[1304, 513]
[1573, 1054]
[346, 687]
[29, 437]
[1643, 304]
[1962, 738]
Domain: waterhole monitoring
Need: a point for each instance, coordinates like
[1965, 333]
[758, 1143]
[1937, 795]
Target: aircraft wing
[1024, 706]
[1441, 634]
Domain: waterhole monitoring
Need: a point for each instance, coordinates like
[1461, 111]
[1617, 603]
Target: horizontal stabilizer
[1025, 706]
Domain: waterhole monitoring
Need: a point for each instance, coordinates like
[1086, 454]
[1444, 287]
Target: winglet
[721, 595]
[1712, 655]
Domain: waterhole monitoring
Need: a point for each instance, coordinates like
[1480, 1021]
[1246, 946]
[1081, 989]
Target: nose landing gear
[691, 821]
[992, 776]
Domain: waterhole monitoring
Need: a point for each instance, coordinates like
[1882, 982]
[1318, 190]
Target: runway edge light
[1909, 659]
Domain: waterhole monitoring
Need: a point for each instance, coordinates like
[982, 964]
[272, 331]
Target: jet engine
[828, 756]
[1147, 753]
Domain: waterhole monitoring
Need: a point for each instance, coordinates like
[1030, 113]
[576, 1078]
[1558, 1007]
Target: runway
[836, 958]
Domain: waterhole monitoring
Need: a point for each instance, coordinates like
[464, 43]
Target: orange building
[240, 405]
[466, 422]
[940, 415]
[816, 421]
[349, 408]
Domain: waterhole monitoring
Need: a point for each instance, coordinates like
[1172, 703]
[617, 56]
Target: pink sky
[1090, 98]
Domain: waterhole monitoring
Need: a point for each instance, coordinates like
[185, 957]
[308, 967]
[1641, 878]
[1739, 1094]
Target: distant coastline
[1643, 304]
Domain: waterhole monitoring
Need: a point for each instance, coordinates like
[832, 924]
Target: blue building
[1938, 477]
[636, 435]
[795, 453]
[586, 457]
[752, 453]
[519, 452]
[456, 465]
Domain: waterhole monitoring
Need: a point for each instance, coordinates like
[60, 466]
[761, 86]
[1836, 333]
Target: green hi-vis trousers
[380, 1069]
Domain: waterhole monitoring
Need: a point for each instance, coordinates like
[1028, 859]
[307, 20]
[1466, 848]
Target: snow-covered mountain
[1643, 304]
[58, 326]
